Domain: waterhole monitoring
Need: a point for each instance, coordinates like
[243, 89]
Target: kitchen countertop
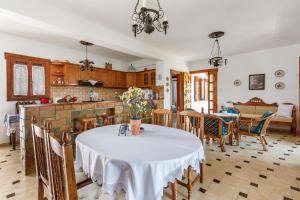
[71, 103]
[77, 103]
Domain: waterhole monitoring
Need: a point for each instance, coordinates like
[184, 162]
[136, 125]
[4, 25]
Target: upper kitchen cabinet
[72, 74]
[130, 79]
[106, 76]
[86, 75]
[146, 78]
[119, 80]
[28, 78]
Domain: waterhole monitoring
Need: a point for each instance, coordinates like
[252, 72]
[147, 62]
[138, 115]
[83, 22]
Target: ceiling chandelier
[86, 64]
[149, 17]
[216, 58]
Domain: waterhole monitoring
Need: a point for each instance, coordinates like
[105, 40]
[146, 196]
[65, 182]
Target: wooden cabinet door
[140, 79]
[146, 76]
[121, 77]
[86, 75]
[106, 76]
[97, 74]
[130, 79]
[152, 78]
[72, 74]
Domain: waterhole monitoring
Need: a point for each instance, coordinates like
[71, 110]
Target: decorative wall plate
[237, 82]
[279, 73]
[280, 85]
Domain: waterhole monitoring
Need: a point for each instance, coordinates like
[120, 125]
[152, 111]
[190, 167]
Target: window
[200, 89]
[27, 77]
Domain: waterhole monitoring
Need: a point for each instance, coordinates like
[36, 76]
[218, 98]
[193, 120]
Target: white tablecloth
[225, 114]
[141, 165]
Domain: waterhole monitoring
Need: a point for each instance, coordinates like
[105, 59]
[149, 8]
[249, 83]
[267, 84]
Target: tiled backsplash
[82, 93]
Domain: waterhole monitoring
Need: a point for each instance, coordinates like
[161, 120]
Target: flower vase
[135, 126]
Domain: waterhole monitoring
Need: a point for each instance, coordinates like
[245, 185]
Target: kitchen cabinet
[86, 75]
[119, 80]
[130, 79]
[72, 74]
[139, 79]
[146, 78]
[27, 77]
[106, 76]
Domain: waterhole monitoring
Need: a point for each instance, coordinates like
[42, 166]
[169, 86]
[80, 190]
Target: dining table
[140, 165]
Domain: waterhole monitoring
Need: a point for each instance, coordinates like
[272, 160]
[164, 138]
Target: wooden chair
[88, 123]
[217, 128]
[61, 170]
[191, 121]
[256, 127]
[162, 117]
[108, 119]
[42, 170]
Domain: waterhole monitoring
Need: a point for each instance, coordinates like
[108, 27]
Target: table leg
[174, 190]
[13, 139]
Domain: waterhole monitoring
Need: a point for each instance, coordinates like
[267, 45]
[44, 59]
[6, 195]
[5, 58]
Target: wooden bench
[257, 106]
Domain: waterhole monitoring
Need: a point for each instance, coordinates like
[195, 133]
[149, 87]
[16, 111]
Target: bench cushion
[282, 119]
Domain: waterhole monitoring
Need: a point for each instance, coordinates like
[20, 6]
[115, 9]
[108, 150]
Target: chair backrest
[88, 123]
[264, 123]
[214, 125]
[162, 117]
[42, 170]
[61, 165]
[190, 121]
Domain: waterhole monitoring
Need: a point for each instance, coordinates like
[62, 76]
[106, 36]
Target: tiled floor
[243, 172]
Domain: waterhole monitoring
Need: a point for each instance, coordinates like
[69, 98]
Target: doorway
[200, 92]
[175, 91]
[204, 90]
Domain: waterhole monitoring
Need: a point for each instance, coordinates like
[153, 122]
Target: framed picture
[257, 81]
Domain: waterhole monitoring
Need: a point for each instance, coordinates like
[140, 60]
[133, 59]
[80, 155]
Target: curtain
[38, 80]
[20, 79]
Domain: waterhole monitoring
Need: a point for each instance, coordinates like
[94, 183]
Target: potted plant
[137, 105]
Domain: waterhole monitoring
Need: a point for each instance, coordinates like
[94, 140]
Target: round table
[140, 165]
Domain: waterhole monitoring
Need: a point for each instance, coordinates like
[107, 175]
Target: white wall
[258, 62]
[28, 47]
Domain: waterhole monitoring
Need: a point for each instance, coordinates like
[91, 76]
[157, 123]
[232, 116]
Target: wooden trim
[255, 101]
[204, 71]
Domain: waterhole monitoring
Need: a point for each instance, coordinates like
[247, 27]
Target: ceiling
[249, 25]
[9, 25]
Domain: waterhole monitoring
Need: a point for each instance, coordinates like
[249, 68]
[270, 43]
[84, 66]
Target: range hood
[90, 83]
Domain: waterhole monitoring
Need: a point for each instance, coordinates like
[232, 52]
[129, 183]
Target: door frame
[215, 83]
[297, 125]
[179, 88]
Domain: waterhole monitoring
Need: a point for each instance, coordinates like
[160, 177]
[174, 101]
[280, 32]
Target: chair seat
[79, 175]
[94, 191]
[252, 129]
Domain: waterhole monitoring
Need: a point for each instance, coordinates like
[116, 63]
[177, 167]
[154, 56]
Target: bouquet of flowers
[134, 100]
